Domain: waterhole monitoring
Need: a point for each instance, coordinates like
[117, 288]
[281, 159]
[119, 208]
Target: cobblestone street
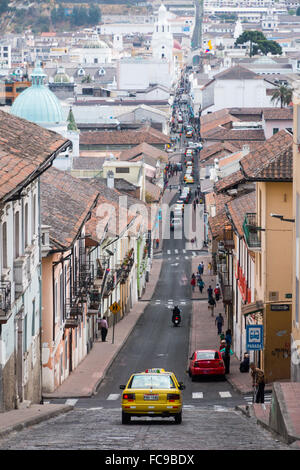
[101, 429]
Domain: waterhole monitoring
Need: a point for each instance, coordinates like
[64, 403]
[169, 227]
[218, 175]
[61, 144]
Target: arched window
[33, 217]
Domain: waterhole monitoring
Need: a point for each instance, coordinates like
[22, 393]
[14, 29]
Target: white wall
[137, 75]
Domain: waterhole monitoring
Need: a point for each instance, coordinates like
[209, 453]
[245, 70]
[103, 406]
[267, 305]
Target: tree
[94, 14]
[3, 6]
[267, 46]
[250, 36]
[283, 94]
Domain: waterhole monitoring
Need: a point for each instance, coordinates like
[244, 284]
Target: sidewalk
[86, 378]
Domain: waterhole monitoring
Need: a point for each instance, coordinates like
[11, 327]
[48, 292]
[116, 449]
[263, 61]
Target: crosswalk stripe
[71, 401]
[176, 251]
[225, 394]
[194, 254]
[113, 396]
[186, 257]
[197, 395]
[183, 251]
[169, 252]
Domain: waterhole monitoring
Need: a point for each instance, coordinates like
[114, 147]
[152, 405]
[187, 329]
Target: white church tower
[162, 38]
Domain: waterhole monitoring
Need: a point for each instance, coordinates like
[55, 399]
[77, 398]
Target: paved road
[209, 418]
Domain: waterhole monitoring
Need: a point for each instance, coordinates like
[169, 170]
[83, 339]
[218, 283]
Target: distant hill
[49, 15]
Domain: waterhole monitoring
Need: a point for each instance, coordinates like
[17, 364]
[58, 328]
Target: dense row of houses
[70, 248]
[252, 210]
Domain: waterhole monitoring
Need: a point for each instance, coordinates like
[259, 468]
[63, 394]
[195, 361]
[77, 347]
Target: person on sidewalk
[226, 353]
[244, 365]
[211, 305]
[104, 329]
[209, 267]
[201, 284]
[193, 282]
[200, 269]
[219, 322]
[157, 243]
[258, 381]
[217, 292]
[202, 264]
[210, 291]
[228, 337]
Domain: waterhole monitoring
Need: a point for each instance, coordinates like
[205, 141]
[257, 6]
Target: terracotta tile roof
[24, 149]
[131, 137]
[143, 149]
[65, 203]
[217, 150]
[221, 133]
[237, 208]
[278, 113]
[273, 160]
[217, 118]
[236, 73]
[220, 220]
[153, 190]
[229, 181]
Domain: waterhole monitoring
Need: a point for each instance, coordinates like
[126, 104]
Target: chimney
[110, 183]
[245, 149]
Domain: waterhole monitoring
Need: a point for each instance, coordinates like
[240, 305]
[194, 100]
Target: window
[275, 130]
[33, 319]
[61, 296]
[26, 225]
[55, 302]
[4, 245]
[33, 217]
[17, 235]
[25, 334]
[122, 170]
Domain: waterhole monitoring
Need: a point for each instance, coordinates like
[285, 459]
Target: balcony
[252, 232]
[72, 322]
[228, 240]
[94, 302]
[5, 301]
[226, 288]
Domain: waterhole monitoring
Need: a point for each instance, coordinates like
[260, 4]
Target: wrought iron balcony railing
[5, 300]
[252, 231]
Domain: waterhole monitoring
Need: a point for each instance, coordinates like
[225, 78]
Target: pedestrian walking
[222, 344]
[200, 268]
[258, 382]
[219, 322]
[193, 283]
[104, 328]
[194, 204]
[201, 284]
[228, 337]
[226, 353]
[209, 291]
[209, 267]
[217, 292]
[211, 305]
[202, 264]
[157, 243]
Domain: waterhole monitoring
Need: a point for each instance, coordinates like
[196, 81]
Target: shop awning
[253, 307]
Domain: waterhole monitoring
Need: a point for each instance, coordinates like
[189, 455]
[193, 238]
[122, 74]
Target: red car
[206, 362]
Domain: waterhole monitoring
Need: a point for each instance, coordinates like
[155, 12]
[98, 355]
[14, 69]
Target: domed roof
[94, 43]
[176, 44]
[37, 103]
[61, 76]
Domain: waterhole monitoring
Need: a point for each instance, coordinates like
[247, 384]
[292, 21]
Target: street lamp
[281, 217]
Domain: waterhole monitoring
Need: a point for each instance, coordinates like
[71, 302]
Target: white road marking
[176, 251]
[183, 251]
[225, 394]
[186, 257]
[96, 408]
[194, 254]
[71, 401]
[169, 252]
[113, 396]
[197, 395]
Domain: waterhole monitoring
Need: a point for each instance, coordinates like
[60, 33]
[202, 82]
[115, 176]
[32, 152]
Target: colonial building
[27, 151]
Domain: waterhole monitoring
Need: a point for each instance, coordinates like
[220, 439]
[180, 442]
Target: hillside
[43, 16]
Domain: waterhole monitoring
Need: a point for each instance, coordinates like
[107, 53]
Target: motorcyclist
[176, 313]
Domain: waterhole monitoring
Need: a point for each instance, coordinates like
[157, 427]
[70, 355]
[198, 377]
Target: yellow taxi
[153, 392]
[189, 180]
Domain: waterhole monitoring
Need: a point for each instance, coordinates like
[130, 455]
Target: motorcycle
[176, 320]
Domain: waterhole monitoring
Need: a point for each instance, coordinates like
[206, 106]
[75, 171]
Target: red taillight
[173, 396]
[129, 396]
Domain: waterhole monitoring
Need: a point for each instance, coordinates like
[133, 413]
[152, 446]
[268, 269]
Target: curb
[36, 419]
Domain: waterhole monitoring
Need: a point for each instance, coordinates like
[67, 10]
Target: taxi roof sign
[154, 370]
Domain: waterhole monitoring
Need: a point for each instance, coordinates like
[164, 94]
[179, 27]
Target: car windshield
[152, 381]
[206, 355]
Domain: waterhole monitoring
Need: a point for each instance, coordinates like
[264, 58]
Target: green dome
[37, 103]
[61, 76]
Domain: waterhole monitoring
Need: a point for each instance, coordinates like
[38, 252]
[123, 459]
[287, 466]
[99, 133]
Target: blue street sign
[254, 337]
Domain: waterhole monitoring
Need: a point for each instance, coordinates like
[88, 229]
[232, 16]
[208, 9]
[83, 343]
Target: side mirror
[191, 357]
[181, 386]
[122, 387]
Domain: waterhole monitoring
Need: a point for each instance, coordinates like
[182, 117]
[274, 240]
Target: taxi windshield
[152, 381]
